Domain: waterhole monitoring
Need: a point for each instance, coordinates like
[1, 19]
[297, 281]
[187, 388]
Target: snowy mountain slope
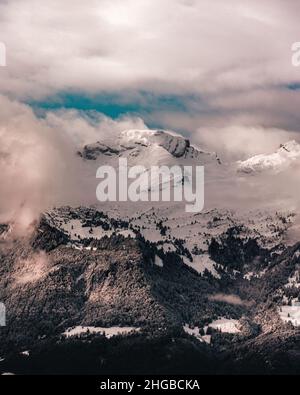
[224, 188]
[156, 154]
[190, 236]
[282, 159]
[144, 145]
[84, 268]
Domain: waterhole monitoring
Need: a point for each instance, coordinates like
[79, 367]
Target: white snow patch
[290, 314]
[248, 276]
[196, 333]
[158, 261]
[225, 325]
[294, 280]
[202, 262]
[108, 332]
[75, 229]
[278, 161]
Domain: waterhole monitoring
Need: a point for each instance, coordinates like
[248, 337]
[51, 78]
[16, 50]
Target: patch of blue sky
[115, 105]
[295, 86]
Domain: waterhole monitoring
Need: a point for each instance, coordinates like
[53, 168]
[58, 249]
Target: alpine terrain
[149, 288]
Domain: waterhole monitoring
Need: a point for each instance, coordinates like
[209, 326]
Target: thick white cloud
[178, 46]
[238, 143]
[38, 161]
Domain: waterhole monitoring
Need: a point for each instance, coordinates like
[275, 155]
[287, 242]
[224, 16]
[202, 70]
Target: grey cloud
[229, 298]
[168, 45]
[39, 166]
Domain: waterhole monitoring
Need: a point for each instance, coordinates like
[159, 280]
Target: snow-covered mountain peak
[176, 145]
[276, 162]
[146, 143]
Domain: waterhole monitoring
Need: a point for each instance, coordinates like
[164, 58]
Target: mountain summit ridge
[278, 161]
[139, 141]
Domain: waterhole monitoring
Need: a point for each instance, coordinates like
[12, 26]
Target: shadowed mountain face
[227, 317]
[115, 282]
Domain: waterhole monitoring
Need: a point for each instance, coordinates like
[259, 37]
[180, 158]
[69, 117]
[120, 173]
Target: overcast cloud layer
[227, 64]
[231, 60]
[163, 45]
